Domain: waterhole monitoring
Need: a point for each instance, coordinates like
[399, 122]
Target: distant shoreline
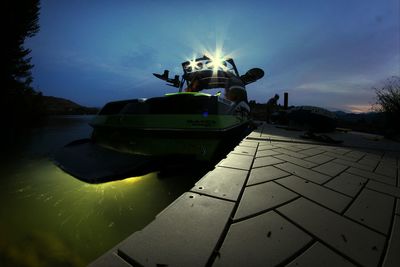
[61, 106]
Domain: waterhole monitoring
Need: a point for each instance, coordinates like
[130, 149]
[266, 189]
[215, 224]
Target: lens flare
[217, 58]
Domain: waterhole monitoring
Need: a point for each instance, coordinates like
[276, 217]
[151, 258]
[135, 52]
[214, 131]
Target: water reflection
[49, 218]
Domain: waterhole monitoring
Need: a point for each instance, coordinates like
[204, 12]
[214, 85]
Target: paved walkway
[278, 200]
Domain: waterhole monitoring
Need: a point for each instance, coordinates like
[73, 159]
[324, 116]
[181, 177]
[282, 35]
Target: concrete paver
[297, 161]
[290, 153]
[266, 153]
[184, 234]
[330, 168]
[392, 258]
[315, 192]
[269, 240]
[387, 169]
[311, 152]
[373, 162]
[373, 176]
[372, 209]
[355, 154]
[319, 255]
[237, 161]
[350, 238]
[245, 150]
[289, 146]
[313, 176]
[384, 188]
[110, 259]
[319, 159]
[261, 197]
[249, 143]
[265, 146]
[339, 156]
[222, 182]
[264, 174]
[347, 183]
[265, 161]
[354, 164]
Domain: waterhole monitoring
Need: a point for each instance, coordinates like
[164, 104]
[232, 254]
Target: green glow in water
[49, 218]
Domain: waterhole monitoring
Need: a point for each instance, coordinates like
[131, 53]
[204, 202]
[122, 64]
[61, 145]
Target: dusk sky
[324, 53]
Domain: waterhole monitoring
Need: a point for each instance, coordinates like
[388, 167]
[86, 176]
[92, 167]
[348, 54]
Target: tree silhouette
[23, 106]
[20, 21]
[388, 101]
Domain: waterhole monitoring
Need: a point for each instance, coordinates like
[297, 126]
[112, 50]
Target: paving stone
[184, 234]
[265, 174]
[297, 161]
[373, 155]
[373, 176]
[354, 164]
[320, 255]
[339, 156]
[307, 146]
[237, 161]
[352, 239]
[266, 153]
[261, 197]
[318, 193]
[249, 143]
[384, 188]
[313, 176]
[372, 209]
[340, 150]
[290, 153]
[267, 239]
[392, 258]
[387, 169]
[290, 147]
[265, 146]
[334, 150]
[265, 161]
[312, 151]
[109, 259]
[330, 168]
[319, 159]
[222, 182]
[347, 183]
[389, 158]
[245, 150]
[255, 134]
[369, 162]
[355, 154]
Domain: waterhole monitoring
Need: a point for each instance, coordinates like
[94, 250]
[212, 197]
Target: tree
[22, 104]
[20, 22]
[388, 101]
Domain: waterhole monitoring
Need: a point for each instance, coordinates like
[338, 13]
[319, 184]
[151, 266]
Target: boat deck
[280, 200]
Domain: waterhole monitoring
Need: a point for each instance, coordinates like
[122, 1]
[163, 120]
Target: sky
[329, 54]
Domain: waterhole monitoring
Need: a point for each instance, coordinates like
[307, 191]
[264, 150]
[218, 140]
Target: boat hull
[190, 136]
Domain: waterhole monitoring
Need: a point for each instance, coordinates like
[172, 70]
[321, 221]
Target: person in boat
[272, 106]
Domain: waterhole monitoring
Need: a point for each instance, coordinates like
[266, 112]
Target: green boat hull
[196, 136]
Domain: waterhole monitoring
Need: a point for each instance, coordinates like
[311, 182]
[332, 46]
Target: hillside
[60, 106]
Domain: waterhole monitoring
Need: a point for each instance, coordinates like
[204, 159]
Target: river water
[49, 218]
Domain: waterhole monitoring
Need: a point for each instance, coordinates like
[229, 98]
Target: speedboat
[192, 123]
